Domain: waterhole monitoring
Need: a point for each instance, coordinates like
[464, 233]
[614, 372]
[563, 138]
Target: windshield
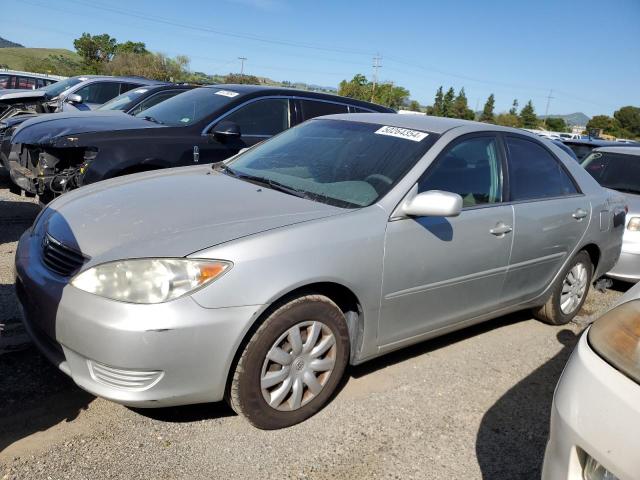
[347, 164]
[57, 88]
[121, 102]
[189, 107]
[615, 170]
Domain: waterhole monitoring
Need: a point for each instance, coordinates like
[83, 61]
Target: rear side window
[4, 81]
[359, 110]
[99, 92]
[471, 168]
[26, 82]
[534, 173]
[262, 117]
[312, 109]
[581, 151]
[125, 87]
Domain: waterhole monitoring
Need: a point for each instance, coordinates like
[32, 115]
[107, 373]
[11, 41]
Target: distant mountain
[571, 119]
[4, 43]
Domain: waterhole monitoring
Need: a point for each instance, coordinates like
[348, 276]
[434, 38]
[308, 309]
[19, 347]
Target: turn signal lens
[634, 224]
[616, 337]
[149, 280]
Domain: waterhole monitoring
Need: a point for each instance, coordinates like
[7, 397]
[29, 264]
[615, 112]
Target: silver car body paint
[409, 283]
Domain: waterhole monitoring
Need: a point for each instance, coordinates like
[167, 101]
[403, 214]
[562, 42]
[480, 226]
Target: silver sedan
[260, 279]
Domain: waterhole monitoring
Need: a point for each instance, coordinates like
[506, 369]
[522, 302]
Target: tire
[557, 312]
[321, 351]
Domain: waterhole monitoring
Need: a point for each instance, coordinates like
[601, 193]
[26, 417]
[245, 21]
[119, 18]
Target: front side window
[262, 117]
[471, 168]
[342, 163]
[99, 92]
[614, 170]
[534, 173]
[312, 108]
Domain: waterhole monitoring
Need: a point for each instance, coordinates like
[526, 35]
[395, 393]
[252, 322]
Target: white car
[595, 418]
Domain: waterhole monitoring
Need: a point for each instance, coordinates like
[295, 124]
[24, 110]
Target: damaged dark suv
[53, 154]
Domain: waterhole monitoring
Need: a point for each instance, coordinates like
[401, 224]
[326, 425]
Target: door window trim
[576, 185]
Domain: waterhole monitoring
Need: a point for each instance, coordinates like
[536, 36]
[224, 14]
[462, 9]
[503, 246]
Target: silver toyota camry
[260, 279]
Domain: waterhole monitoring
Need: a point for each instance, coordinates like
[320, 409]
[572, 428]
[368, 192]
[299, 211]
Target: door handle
[501, 229]
[579, 214]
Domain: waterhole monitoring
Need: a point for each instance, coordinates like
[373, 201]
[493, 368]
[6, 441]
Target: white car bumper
[595, 413]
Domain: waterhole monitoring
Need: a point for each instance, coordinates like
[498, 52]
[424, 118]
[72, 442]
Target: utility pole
[377, 63]
[546, 110]
[242, 60]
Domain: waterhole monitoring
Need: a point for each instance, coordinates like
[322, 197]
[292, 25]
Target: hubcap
[298, 365]
[574, 287]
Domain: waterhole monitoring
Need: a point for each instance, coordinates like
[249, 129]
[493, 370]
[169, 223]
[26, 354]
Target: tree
[487, 112]
[414, 106]
[555, 124]
[508, 120]
[605, 123]
[438, 103]
[242, 78]
[95, 50]
[528, 117]
[152, 65]
[628, 119]
[447, 103]
[461, 108]
[132, 47]
[514, 107]
[386, 93]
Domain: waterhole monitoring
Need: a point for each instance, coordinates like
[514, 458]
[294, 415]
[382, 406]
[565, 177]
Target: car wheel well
[342, 296]
[594, 253]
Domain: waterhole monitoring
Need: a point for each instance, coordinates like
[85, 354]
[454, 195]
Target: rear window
[614, 170]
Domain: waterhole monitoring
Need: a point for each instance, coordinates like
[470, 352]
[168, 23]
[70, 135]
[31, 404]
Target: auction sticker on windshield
[406, 133]
[227, 93]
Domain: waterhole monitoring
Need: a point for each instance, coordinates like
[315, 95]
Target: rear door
[551, 217]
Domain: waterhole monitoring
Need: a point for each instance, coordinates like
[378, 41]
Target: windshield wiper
[274, 185]
[151, 119]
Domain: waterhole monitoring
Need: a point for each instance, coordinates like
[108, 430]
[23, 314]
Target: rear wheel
[569, 292]
[292, 364]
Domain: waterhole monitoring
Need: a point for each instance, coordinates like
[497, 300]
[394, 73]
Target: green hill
[15, 58]
[8, 43]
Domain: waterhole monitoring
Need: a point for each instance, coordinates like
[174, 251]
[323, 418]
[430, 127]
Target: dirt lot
[471, 405]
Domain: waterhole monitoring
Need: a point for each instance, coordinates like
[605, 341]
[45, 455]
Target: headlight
[616, 337]
[634, 224]
[149, 280]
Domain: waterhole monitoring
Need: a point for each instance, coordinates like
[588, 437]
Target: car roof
[141, 80]
[428, 123]
[266, 89]
[628, 150]
[590, 141]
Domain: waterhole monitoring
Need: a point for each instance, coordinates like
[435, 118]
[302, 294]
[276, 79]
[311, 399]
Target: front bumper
[139, 355]
[595, 412]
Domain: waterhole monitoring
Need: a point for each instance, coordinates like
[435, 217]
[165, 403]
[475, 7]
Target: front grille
[124, 379]
[61, 259]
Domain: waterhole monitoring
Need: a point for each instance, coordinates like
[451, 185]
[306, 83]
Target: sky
[584, 54]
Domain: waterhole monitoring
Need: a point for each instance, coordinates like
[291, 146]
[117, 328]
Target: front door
[439, 271]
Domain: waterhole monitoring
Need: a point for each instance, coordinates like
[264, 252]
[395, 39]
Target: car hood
[18, 96]
[170, 213]
[53, 129]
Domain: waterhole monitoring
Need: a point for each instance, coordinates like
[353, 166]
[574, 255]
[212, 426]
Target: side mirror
[434, 203]
[73, 98]
[226, 129]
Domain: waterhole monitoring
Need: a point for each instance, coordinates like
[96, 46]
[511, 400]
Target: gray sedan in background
[259, 279]
[618, 168]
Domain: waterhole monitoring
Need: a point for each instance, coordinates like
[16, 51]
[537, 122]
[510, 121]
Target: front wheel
[569, 292]
[292, 364]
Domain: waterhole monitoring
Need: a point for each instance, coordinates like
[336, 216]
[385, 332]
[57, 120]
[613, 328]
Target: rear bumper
[139, 355]
[628, 267]
[595, 412]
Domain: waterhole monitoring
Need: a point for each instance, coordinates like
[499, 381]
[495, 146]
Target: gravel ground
[470, 405]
